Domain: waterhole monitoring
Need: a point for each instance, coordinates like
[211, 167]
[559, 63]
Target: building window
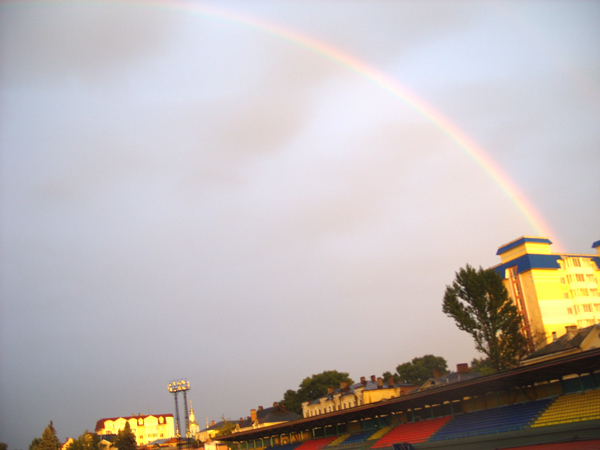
[580, 277]
[569, 310]
[576, 262]
[587, 308]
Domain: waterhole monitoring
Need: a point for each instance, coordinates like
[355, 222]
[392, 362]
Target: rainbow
[336, 54]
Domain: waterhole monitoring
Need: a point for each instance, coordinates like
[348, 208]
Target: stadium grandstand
[549, 405]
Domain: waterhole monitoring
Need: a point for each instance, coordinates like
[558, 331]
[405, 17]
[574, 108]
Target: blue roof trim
[596, 244]
[521, 241]
[528, 262]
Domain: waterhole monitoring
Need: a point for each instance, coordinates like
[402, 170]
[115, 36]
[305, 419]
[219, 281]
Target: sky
[244, 194]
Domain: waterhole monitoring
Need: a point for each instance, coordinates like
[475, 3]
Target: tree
[3, 446]
[49, 441]
[226, 429]
[34, 443]
[125, 439]
[395, 376]
[480, 305]
[483, 366]
[421, 369]
[87, 441]
[292, 401]
[312, 388]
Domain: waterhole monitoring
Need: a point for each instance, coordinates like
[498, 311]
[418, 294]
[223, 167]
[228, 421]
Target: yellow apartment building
[552, 291]
[147, 428]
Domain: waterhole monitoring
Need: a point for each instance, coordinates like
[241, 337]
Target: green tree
[226, 429]
[386, 376]
[125, 439]
[34, 443]
[480, 305]
[87, 441]
[292, 401]
[421, 369]
[3, 446]
[483, 366]
[312, 388]
[49, 441]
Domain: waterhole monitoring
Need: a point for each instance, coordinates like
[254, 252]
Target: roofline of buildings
[545, 371]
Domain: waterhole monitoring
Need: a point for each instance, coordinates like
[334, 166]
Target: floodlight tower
[174, 388]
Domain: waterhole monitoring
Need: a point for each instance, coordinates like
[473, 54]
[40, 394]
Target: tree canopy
[226, 429]
[48, 441]
[479, 303]
[312, 388]
[125, 439]
[34, 443]
[421, 369]
[87, 441]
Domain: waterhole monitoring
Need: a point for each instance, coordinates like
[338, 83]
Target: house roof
[274, 414]
[452, 377]
[568, 341]
[216, 426]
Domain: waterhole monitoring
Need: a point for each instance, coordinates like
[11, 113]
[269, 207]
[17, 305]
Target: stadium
[549, 405]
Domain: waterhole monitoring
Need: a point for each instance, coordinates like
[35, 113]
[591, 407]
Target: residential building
[147, 428]
[463, 373]
[265, 417]
[573, 341]
[349, 396]
[551, 290]
[258, 418]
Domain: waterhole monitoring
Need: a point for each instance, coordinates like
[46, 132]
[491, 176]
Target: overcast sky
[194, 192]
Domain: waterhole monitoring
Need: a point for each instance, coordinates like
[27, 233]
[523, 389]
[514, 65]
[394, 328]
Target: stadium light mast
[175, 387]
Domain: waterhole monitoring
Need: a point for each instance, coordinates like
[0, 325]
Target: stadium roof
[579, 364]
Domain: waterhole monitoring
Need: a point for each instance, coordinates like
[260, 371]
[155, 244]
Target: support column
[187, 417]
[177, 435]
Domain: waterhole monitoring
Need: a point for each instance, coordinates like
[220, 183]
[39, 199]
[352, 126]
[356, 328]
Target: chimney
[330, 390]
[379, 383]
[436, 373]
[462, 368]
[391, 382]
[571, 330]
[212, 423]
[363, 381]
[554, 336]
[253, 415]
[373, 379]
[260, 408]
